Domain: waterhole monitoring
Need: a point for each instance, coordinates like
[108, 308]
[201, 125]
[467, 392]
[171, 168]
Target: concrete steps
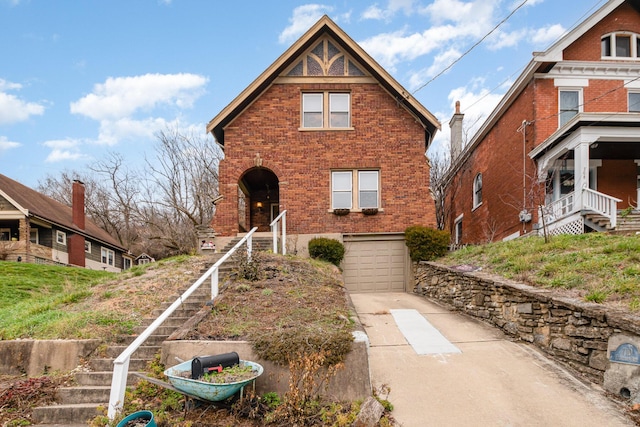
[76, 405]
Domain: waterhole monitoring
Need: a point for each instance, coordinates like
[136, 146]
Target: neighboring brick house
[325, 130]
[561, 150]
[35, 228]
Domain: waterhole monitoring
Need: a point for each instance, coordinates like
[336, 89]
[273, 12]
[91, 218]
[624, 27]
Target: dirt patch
[288, 307]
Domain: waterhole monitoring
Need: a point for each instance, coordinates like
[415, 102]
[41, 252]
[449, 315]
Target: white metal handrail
[121, 363]
[282, 219]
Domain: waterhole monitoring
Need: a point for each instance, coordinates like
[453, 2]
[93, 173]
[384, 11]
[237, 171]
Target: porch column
[580, 172]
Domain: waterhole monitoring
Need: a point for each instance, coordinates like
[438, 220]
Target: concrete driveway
[475, 377]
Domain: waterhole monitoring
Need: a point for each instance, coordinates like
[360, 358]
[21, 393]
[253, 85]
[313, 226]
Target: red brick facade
[503, 153]
[265, 137]
[384, 137]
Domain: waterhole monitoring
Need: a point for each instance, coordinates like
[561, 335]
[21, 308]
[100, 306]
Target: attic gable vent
[325, 59]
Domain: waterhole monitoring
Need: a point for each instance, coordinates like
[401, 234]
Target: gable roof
[37, 205]
[541, 62]
[324, 26]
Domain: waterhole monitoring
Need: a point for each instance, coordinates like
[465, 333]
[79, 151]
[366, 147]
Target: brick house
[561, 151]
[326, 131]
[35, 228]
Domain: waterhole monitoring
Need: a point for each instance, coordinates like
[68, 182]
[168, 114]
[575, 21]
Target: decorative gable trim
[325, 27]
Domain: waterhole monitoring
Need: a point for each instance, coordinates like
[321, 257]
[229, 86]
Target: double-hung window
[325, 110]
[107, 256]
[569, 105]
[312, 111]
[341, 190]
[355, 189]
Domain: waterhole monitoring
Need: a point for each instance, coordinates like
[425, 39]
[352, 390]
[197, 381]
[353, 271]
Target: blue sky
[81, 79]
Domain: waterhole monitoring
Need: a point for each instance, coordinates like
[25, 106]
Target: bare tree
[155, 210]
[182, 183]
[438, 172]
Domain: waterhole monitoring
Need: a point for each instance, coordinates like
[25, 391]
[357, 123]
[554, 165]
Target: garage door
[375, 265]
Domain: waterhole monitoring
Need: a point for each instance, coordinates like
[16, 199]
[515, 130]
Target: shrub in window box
[341, 212]
[370, 211]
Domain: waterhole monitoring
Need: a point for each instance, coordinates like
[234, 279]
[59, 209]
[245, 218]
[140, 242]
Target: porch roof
[603, 127]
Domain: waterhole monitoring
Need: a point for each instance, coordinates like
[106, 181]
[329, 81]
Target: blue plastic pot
[140, 415]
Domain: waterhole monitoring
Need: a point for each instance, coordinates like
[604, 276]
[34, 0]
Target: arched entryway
[258, 199]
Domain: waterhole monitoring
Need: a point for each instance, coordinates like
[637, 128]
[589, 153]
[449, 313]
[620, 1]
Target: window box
[370, 211]
[341, 212]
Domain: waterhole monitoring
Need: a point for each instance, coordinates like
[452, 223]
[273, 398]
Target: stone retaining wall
[574, 332]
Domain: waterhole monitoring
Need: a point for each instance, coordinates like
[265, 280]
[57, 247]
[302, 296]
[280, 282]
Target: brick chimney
[75, 241]
[456, 133]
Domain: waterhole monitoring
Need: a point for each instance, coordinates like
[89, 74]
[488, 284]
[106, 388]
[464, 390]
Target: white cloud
[113, 131]
[64, 149]
[502, 39]
[5, 144]
[440, 62]
[373, 12]
[122, 97]
[303, 18]
[14, 109]
[393, 6]
[545, 36]
[476, 103]
[391, 48]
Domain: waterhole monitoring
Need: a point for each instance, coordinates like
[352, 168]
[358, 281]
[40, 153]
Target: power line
[448, 67]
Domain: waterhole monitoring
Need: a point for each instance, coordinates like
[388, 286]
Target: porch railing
[280, 220]
[590, 200]
[121, 363]
[562, 207]
[601, 203]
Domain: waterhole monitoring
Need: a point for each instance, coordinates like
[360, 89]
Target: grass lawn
[596, 267]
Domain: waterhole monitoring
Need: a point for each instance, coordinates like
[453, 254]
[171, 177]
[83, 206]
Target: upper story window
[87, 247]
[477, 190]
[569, 104]
[322, 110]
[355, 189]
[620, 45]
[634, 102]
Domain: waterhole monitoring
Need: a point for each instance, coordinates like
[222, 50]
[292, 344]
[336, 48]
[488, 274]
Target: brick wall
[500, 158]
[587, 48]
[384, 136]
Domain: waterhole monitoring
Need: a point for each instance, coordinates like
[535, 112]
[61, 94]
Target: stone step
[179, 312]
[171, 321]
[152, 340]
[143, 352]
[98, 365]
[161, 331]
[66, 415]
[188, 305]
[83, 394]
[102, 378]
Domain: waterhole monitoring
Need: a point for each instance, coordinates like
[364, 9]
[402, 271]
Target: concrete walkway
[475, 377]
